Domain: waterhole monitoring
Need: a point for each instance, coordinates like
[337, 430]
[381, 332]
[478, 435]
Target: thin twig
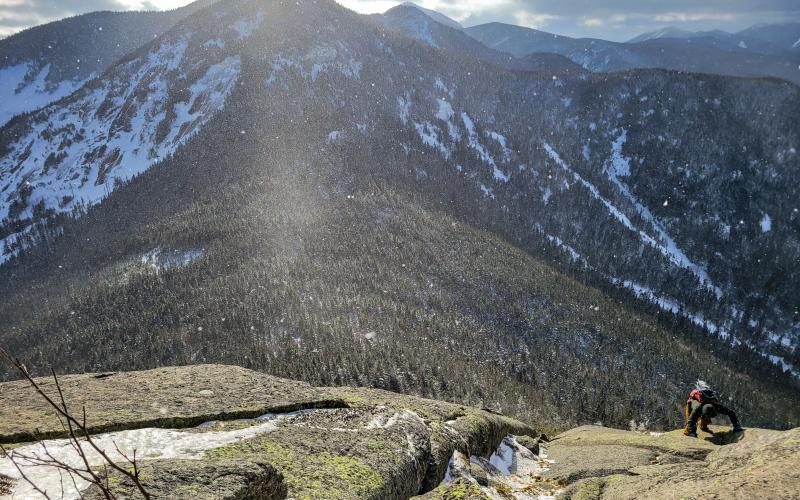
[22, 473]
[77, 431]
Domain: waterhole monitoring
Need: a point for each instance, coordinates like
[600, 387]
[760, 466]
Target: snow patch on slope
[429, 134]
[74, 153]
[766, 223]
[19, 93]
[318, 60]
[475, 144]
[246, 27]
[619, 166]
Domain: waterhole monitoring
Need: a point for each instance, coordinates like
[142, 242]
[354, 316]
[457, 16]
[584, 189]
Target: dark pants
[708, 410]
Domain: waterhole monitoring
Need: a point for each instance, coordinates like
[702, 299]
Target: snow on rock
[215, 42]
[780, 361]
[504, 457]
[73, 153]
[512, 471]
[149, 443]
[22, 92]
[278, 66]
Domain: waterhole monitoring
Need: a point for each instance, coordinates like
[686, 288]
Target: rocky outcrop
[598, 462]
[214, 431]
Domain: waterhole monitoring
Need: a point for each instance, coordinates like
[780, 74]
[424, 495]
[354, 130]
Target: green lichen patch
[459, 489]
[309, 474]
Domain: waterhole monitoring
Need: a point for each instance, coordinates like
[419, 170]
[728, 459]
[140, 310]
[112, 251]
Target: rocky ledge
[214, 431]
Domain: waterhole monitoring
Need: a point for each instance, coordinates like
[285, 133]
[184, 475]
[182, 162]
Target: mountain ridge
[44, 63]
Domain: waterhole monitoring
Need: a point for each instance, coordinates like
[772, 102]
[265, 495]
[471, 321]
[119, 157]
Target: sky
[617, 20]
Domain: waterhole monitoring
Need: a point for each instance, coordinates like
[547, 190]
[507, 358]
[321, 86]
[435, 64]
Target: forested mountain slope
[306, 208]
[45, 63]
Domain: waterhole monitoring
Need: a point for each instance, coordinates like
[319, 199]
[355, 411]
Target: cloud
[687, 17]
[533, 19]
[610, 19]
[593, 22]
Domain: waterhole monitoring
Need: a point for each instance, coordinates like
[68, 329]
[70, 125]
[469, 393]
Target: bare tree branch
[77, 433]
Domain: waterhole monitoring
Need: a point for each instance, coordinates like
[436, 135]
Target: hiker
[702, 405]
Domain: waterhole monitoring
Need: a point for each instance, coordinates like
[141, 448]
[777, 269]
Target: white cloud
[533, 19]
[592, 22]
[368, 6]
[150, 4]
[689, 17]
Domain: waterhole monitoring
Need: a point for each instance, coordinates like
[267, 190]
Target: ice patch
[504, 458]
[149, 443]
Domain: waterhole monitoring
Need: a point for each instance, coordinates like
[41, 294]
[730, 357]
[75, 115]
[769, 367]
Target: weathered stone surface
[611, 463]
[190, 479]
[163, 397]
[350, 443]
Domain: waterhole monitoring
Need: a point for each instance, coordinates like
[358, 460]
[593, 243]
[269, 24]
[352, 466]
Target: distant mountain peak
[436, 16]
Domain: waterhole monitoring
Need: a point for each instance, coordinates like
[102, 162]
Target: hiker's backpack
[703, 396]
